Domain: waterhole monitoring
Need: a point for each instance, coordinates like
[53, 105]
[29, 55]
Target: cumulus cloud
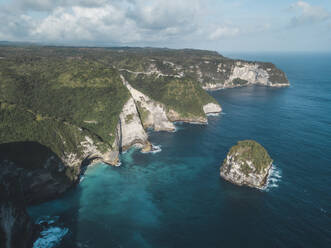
[224, 32]
[100, 20]
[49, 5]
[308, 14]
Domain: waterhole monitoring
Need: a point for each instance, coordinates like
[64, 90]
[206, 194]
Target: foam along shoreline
[155, 149]
[51, 235]
[273, 179]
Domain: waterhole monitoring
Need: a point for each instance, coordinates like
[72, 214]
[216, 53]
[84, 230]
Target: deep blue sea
[176, 198]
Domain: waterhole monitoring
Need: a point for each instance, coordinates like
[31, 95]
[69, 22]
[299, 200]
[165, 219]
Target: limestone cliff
[212, 108]
[152, 113]
[243, 73]
[131, 131]
[247, 163]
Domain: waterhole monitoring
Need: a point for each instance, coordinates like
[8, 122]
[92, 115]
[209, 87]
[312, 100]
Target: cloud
[309, 14]
[224, 32]
[114, 21]
[49, 5]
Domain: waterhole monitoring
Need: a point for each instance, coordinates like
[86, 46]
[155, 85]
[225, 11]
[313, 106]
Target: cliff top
[250, 150]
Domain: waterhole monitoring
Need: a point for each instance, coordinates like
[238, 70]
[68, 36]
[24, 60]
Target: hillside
[72, 100]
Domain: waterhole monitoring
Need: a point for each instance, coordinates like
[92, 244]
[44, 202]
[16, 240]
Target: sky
[237, 25]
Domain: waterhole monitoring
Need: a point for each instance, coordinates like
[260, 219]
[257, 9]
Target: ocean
[176, 198]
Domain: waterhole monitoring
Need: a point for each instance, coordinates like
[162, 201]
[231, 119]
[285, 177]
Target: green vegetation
[18, 124]
[57, 95]
[143, 113]
[63, 88]
[239, 81]
[181, 94]
[129, 118]
[250, 150]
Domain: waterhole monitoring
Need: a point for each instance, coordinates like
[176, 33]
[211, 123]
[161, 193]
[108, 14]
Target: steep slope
[181, 98]
[152, 113]
[131, 130]
[247, 163]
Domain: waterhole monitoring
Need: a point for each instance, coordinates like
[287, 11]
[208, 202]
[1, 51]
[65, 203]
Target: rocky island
[63, 108]
[247, 163]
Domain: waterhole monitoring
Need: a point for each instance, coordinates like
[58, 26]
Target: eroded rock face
[176, 117]
[248, 73]
[16, 227]
[247, 163]
[212, 108]
[152, 113]
[132, 132]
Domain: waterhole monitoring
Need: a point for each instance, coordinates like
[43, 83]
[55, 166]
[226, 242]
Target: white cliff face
[212, 108]
[231, 170]
[132, 132]
[252, 73]
[249, 73]
[153, 114]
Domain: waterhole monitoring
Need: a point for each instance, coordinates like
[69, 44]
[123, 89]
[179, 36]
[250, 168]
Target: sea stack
[247, 163]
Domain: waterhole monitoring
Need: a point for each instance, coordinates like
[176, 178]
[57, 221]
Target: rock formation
[212, 108]
[152, 113]
[132, 132]
[242, 73]
[16, 227]
[247, 163]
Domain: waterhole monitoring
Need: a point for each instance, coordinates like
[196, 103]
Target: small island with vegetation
[247, 163]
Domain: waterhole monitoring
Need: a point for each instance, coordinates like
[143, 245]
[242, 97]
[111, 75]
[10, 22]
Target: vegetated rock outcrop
[247, 163]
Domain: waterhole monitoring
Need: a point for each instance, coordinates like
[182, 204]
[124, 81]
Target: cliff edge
[247, 163]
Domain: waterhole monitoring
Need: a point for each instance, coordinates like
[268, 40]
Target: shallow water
[175, 198]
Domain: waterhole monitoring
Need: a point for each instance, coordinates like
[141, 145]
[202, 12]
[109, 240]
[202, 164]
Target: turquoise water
[175, 198]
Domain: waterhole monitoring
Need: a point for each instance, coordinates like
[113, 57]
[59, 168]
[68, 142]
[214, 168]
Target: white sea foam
[47, 219]
[155, 149]
[81, 179]
[274, 178]
[213, 114]
[50, 237]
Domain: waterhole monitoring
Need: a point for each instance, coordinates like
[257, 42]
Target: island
[247, 163]
[63, 108]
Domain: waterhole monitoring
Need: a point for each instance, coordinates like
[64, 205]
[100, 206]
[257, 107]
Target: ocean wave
[213, 114]
[47, 220]
[274, 178]
[155, 149]
[50, 237]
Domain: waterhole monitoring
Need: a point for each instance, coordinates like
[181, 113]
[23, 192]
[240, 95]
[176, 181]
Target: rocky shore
[247, 163]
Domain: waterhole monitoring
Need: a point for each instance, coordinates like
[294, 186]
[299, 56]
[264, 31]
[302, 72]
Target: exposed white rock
[252, 73]
[89, 148]
[247, 163]
[132, 132]
[71, 159]
[212, 108]
[152, 113]
[232, 172]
